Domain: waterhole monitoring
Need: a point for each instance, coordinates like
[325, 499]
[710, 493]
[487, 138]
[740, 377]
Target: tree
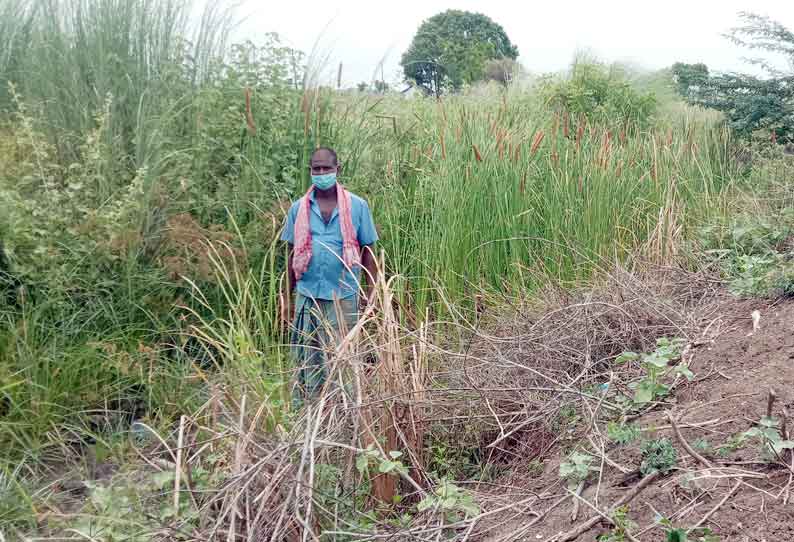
[752, 103]
[451, 49]
[502, 70]
[381, 87]
[689, 78]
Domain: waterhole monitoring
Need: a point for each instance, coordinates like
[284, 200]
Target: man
[331, 235]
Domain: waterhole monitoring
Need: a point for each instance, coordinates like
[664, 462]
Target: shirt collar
[316, 208]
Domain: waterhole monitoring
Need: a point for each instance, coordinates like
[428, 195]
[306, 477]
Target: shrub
[600, 94]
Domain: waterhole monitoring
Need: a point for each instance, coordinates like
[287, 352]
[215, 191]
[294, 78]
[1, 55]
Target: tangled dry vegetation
[458, 430]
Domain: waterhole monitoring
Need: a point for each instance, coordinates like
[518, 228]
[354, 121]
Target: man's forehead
[322, 157]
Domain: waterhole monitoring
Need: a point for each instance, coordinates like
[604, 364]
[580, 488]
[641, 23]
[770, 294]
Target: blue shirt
[327, 276]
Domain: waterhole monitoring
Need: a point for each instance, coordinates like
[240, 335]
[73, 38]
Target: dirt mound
[737, 359]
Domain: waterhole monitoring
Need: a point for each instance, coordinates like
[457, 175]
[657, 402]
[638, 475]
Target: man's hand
[286, 312]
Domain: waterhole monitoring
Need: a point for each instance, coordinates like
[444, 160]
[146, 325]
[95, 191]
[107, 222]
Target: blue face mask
[324, 182]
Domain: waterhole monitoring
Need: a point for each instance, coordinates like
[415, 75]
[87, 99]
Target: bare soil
[735, 368]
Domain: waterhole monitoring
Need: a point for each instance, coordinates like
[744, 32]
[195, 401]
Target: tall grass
[69, 56]
[498, 196]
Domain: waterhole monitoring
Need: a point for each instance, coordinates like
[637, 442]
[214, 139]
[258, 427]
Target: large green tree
[452, 48]
[750, 103]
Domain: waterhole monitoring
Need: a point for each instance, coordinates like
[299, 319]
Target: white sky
[547, 32]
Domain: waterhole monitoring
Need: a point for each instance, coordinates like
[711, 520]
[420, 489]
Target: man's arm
[367, 237]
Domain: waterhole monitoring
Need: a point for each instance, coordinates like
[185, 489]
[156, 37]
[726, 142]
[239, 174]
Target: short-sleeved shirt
[327, 276]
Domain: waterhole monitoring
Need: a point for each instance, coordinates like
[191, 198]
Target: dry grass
[509, 382]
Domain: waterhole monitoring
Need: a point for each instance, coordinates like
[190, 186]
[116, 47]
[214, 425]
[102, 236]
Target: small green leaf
[626, 357]
[162, 479]
[684, 371]
[769, 421]
[643, 393]
[656, 360]
[386, 466]
[781, 445]
[426, 503]
[449, 502]
[362, 461]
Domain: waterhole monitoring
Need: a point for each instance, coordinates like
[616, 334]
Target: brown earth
[735, 368]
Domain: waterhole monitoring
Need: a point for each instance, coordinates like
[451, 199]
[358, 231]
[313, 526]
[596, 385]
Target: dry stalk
[178, 466]
[711, 512]
[770, 402]
[682, 441]
[577, 494]
[579, 498]
[590, 523]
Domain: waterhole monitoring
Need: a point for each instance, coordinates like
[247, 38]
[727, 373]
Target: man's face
[322, 163]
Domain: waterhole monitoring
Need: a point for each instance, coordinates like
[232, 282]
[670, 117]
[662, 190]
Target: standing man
[330, 234]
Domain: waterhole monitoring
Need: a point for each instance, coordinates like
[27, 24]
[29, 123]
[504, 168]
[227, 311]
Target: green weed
[657, 366]
[658, 456]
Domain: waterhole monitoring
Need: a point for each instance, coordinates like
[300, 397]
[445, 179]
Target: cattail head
[499, 136]
[517, 153]
[536, 142]
[774, 137]
[477, 154]
[606, 148]
[579, 135]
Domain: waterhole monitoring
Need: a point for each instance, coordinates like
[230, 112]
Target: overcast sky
[547, 33]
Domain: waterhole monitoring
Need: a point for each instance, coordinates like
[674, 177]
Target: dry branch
[590, 523]
[682, 441]
[711, 512]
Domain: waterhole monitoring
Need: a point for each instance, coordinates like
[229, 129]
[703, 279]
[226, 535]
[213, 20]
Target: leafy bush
[600, 94]
[657, 366]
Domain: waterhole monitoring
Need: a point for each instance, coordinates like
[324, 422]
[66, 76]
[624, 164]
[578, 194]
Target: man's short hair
[329, 150]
